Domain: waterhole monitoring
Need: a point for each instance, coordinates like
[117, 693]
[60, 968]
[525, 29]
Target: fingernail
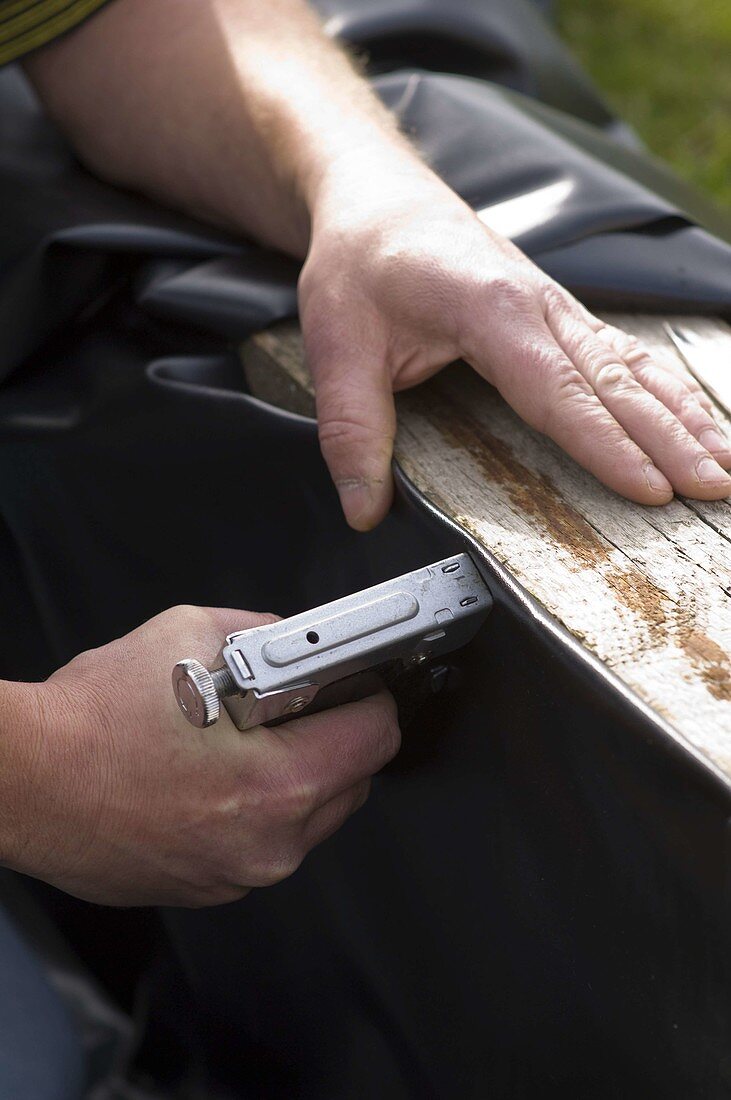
[710, 473]
[713, 440]
[657, 480]
[359, 497]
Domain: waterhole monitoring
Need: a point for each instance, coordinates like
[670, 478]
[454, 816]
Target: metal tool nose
[199, 692]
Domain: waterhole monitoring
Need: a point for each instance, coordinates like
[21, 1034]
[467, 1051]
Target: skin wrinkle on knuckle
[294, 790]
[571, 397]
[345, 431]
[509, 293]
[300, 801]
[622, 342]
[687, 408]
[254, 848]
[697, 391]
[558, 301]
[635, 355]
[610, 377]
[347, 400]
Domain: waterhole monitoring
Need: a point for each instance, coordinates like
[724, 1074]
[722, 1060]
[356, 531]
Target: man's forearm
[243, 112]
[233, 110]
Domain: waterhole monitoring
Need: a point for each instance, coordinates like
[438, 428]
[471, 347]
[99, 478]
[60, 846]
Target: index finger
[335, 749]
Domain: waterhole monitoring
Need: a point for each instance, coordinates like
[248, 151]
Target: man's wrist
[375, 175]
[22, 730]
[368, 147]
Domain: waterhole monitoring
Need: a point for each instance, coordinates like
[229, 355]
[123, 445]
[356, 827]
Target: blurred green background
[665, 67]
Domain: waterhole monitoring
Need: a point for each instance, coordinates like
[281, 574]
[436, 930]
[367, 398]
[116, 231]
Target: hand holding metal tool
[339, 652]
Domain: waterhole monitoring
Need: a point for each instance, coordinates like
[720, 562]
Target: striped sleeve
[27, 24]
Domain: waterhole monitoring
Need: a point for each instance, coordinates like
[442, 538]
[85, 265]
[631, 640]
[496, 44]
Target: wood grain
[646, 590]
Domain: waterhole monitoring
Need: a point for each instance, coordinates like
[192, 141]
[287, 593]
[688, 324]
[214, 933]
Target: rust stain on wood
[709, 660]
[534, 495]
[643, 597]
[530, 492]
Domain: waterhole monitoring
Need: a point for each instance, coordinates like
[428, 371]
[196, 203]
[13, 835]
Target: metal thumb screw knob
[195, 691]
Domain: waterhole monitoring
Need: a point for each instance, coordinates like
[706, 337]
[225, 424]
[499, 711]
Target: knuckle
[188, 616]
[211, 871]
[610, 376]
[298, 801]
[633, 352]
[688, 407]
[572, 388]
[648, 375]
[343, 429]
[557, 300]
[567, 389]
[316, 286]
[627, 345]
[339, 435]
[509, 292]
[293, 797]
[569, 395]
[256, 847]
[273, 867]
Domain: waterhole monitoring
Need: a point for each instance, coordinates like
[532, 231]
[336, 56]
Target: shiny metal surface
[278, 669]
[196, 694]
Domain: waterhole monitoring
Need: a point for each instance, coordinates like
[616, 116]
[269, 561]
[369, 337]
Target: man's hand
[112, 796]
[244, 113]
[402, 278]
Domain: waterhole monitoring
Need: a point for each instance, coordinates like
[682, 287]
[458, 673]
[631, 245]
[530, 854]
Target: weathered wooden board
[645, 589]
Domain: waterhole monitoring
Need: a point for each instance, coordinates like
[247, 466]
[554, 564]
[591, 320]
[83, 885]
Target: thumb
[357, 425]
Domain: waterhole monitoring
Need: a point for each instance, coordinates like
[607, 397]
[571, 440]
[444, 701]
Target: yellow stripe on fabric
[50, 18]
[9, 8]
[31, 14]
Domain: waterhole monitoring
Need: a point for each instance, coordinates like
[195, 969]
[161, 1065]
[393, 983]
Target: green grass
[665, 67]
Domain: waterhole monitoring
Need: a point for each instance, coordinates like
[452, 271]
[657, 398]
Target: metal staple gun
[342, 651]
